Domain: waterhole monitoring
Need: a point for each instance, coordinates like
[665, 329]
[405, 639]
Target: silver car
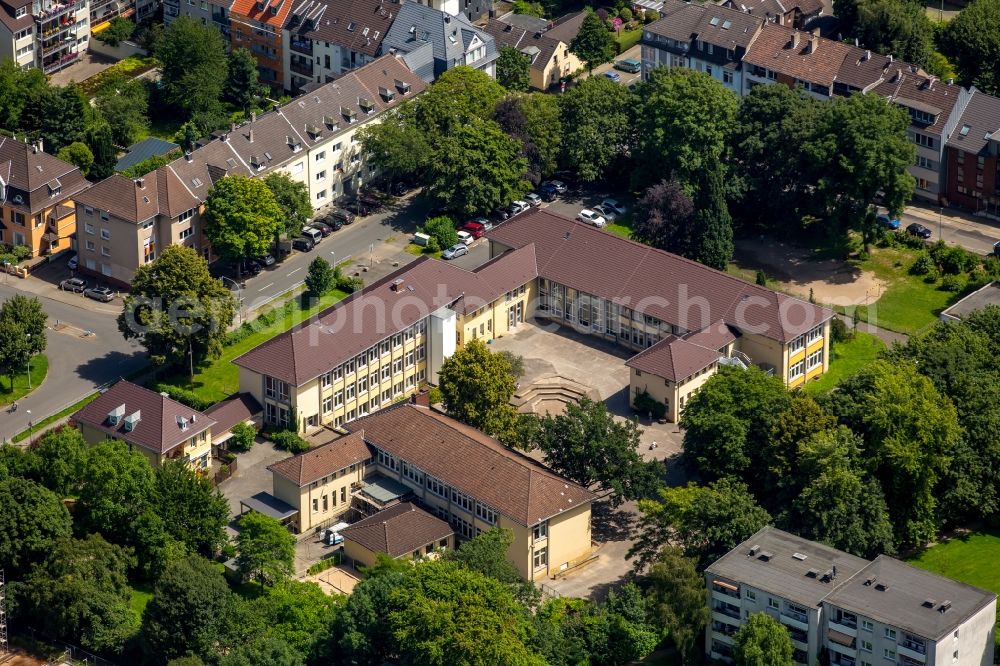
[455, 251]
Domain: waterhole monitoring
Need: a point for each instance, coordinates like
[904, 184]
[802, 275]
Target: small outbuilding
[403, 530]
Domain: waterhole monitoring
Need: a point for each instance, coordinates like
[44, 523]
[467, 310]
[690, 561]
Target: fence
[71, 653]
[228, 468]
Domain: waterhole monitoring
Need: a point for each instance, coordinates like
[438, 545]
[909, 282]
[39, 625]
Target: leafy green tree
[441, 229]
[675, 593]
[243, 437]
[155, 548]
[20, 462]
[762, 641]
[177, 309]
[476, 387]
[320, 277]
[781, 461]
[398, 145]
[899, 27]
[15, 351]
[57, 115]
[79, 593]
[295, 613]
[193, 66]
[685, 119]
[713, 226]
[63, 454]
[908, 430]
[242, 217]
[513, 69]
[32, 520]
[100, 139]
[192, 508]
[22, 333]
[971, 40]
[77, 154]
[477, 168]
[598, 127]
[118, 486]
[266, 549]
[242, 87]
[17, 86]
[459, 96]
[263, 652]
[189, 605]
[534, 121]
[663, 218]
[593, 44]
[487, 554]
[588, 446]
[124, 104]
[706, 521]
[293, 198]
[120, 30]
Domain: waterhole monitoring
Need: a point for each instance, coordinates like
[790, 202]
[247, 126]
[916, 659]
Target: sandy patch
[337, 580]
[832, 281]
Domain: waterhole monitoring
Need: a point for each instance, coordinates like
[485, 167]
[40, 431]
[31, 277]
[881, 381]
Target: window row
[359, 363]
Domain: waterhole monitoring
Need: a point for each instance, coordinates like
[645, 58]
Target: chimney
[41, 145]
[187, 156]
[447, 18]
[140, 183]
[813, 43]
[868, 55]
[951, 82]
[250, 135]
[795, 39]
[890, 57]
[423, 399]
[253, 116]
[232, 127]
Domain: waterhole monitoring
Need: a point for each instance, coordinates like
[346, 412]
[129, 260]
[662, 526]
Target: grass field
[141, 595]
[846, 358]
[626, 39]
[972, 559]
[11, 392]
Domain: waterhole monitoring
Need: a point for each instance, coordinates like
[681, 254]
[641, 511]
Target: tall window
[275, 388]
[541, 558]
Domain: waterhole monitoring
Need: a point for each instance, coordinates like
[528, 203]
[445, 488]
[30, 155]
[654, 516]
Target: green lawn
[9, 393]
[626, 39]
[972, 559]
[141, 594]
[419, 251]
[846, 358]
[220, 378]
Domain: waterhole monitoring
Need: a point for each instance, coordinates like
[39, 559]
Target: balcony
[58, 63]
[796, 620]
[727, 611]
[303, 68]
[303, 46]
[54, 11]
[913, 651]
[845, 626]
[837, 659]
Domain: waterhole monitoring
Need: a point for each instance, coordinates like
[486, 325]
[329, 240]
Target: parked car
[590, 217]
[250, 267]
[302, 244]
[398, 188]
[313, 234]
[265, 260]
[501, 214]
[102, 294]
[455, 251]
[533, 199]
[518, 207]
[558, 185]
[996, 249]
[607, 213]
[76, 285]
[328, 225]
[631, 66]
[918, 230]
[474, 229]
[465, 238]
[613, 204]
[322, 227]
[613, 75]
[487, 224]
[73, 262]
[345, 216]
[547, 192]
[886, 222]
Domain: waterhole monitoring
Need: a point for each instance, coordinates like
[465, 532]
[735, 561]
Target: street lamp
[239, 296]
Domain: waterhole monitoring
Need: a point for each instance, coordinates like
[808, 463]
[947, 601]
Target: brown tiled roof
[37, 174]
[398, 530]
[862, 68]
[235, 409]
[124, 198]
[773, 49]
[910, 87]
[472, 462]
[679, 23]
[158, 430]
[324, 460]
[666, 285]
[358, 25]
[380, 310]
[982, 117]
[673, 358]
[7, 16]
[711, 27]
[517, 37]
[716, 336]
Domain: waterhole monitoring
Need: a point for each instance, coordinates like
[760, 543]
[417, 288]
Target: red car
[476, 229]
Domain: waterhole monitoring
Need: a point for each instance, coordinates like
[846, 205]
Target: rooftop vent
[870, 581]
[945, 605]
[799, 556]
[397, 284]
[765, 556]
[753, 550]
[132, 420]
[928, 603]
[115, 415]
[257, 162]
[827, 576]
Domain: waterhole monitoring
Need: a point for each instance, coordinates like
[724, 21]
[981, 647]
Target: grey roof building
[143, 150]
[431, 42]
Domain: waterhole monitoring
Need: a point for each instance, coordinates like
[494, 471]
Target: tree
[899, 27]
[100, 139]
[177, 309]
[712, 242]
[972, 41]
[189, 604]
[908, 431]
[441, 229]
[120, 30]
[684, 122]
[193, 66]
[513, 69]
[118, 487]
[588, 446]
[476, 388]
[782, 461]
[593, 44]
[663, 218]
[192, 508]
[706, 521]
[266, 549]
[17, 86]
[598, 127]
[487, 554]
[533, 120]
[293, 199]
[32, 520]
[80, 593]
[242, 86]
[398, 146]
[459, 96]
[22, 333]
[675, 592]
[77, 154]
[264, 652]
[124, 104]
[242, 217]
[477, 168]
[320, 277]
[243, 437]
[63, 454]
[57, 115]
[762, 641]
[15, 351]
[295, 613]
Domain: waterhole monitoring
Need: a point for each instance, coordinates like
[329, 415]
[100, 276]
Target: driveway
[627, 78]
[251, 476]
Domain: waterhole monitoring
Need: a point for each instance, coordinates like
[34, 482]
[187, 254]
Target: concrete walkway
[888, 337]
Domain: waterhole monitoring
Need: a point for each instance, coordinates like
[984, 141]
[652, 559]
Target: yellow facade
[30, 230]
[364, 557]
[322, 502]
[195, 450]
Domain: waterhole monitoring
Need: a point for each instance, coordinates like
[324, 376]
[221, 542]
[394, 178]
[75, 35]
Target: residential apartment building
[45, 34]
[707, 38]
[125, 224]
[158, 427]
[102, 12]
[431, 42]
[844, 610]
[972, 156]
[256, 25]
[797, 59]
[783, 12]
[322, 40]
[385, 341]
[206, 12]
[548, 49]
[37, 191]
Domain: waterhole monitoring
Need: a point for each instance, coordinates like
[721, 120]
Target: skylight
[965, 130]
[715, 21]
[727, 25]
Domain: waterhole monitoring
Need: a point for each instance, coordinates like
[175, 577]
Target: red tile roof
[472, 462]
[270, 12]
[159, 428]
[911, 87]
[324, 460]
[357, 25]
[673, 358]
[238, 408]
[773, 50]
[398, 530]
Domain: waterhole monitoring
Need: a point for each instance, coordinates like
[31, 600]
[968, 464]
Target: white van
[313, 234]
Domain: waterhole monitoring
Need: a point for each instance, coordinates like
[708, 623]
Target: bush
[839, 332]
[434, 396]
[432, 245]
[183, 396]
[442, 229]
[120, 30]
[626, 14]
[953, 283]
[21, 252]
[761, 278]
[906, 240]
[952, 260]
[924, 265]
[651, 15]
[243, 437]
[646, 404]
[328, 562]
[286, 440]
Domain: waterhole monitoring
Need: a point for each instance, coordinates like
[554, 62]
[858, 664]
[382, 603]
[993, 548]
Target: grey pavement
[85, 67]
[974, 233]
[251, 475]
[627, 78]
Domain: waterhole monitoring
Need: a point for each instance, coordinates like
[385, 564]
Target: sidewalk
[935, 214]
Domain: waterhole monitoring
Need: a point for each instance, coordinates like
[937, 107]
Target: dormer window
[257, 162]
[115, 415]
[349, 114]
[313, 132]
[331, 122]
[350, 27]
[402, 87]
[294, 144]
[366, 105]
[386, 94]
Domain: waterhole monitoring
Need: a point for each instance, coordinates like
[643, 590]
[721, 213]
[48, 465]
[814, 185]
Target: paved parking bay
[251, 476]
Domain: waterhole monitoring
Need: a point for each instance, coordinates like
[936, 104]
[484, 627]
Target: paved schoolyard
[251, 475]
